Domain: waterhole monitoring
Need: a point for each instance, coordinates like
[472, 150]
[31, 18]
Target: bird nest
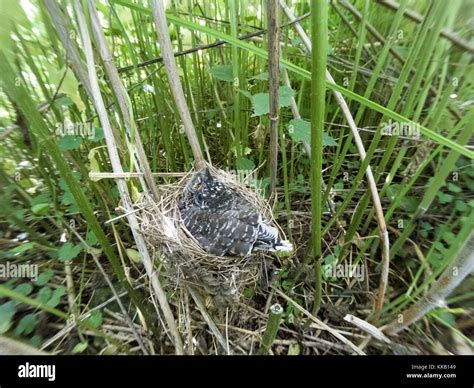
[186, 262]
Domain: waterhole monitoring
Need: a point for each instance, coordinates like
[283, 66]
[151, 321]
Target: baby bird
[223, 221]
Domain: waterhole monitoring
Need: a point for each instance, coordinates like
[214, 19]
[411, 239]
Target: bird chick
[223, 221]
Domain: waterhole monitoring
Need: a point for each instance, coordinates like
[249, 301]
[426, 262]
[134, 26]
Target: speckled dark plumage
[223, 221]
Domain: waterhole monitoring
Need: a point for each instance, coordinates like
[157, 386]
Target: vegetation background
[405, 72]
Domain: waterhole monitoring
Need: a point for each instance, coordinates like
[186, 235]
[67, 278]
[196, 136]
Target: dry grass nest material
[185, 261]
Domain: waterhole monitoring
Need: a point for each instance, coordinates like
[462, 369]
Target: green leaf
[26, 325]
[63, 101]
[222, 72]
[284, 94]
[91, 238]
[448, 237]
[67, 198]
[245, 164]
[44, 277]
[328, 140]
[296, 41]
[297, 188]
[22, 248]
[446, 317]
[444, 198]
[70, 86]
[95, 319]
[260, 104]
[262, 184]
[452, 187]
[68, 143]
[410, 203]
[439, 246]
[7, 312]
[98, 134]
[245, 93]
[470, 184]
[20, 214]
[80, 347]
[393, 190]
[56, 297]
[44, 295]
[329, 262]
[261, 77]
[133, 255]
[294, 349]
[41, 198]
[36, 341]
[41, 209]
[330, 259]
[287, 285]
[69, 251]
[24, 289]
[300, 130]
[261, 101]
[461, 206]
[427, 226]
[94, 163]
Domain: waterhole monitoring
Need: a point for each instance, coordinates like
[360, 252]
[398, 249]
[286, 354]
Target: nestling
[223, 221]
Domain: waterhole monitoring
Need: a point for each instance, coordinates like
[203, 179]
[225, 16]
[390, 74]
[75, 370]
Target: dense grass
[416, 75]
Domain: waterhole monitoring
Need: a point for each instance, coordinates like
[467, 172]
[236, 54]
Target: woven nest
[223, 277]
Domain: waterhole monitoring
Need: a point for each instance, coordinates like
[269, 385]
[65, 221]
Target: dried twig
[128, 175]
[207, 46]
[169, 61]
[122, 98]
[367, 327]
[320, 323]
[59, 21]
[11, 347]
[207, 317]
[274, 82]
[121, 184]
